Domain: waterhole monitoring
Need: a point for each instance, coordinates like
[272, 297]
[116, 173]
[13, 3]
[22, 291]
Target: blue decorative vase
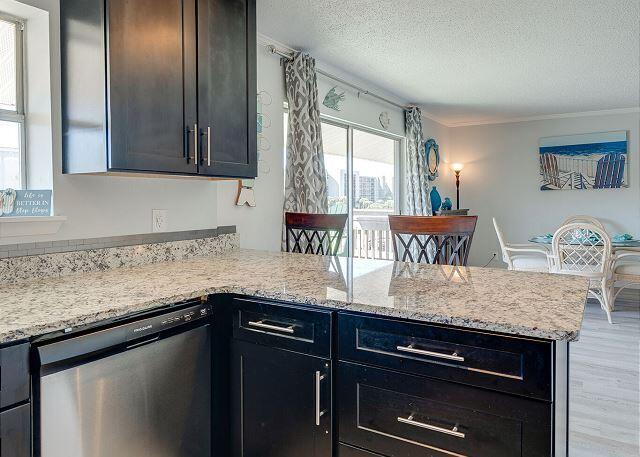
[447, 205]
[436, 200]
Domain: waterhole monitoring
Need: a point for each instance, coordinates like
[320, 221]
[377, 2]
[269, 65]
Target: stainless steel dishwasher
[135, 389]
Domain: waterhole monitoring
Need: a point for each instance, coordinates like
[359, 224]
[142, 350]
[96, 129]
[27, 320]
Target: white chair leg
[600, 295]
[606, 299]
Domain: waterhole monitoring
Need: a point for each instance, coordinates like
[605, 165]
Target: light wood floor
[604, 405]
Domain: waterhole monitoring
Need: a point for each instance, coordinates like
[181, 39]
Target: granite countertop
[526, 304]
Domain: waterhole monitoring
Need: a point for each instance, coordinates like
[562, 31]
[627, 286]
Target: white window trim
[18, 116]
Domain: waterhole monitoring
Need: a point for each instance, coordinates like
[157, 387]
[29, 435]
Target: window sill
[28, 226]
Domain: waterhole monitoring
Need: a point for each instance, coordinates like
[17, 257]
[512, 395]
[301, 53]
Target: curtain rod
[286, 55]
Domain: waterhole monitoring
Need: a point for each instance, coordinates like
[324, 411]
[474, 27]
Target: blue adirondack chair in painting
[610, 172]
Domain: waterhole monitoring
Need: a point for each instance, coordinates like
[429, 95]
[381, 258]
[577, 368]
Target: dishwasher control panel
[166, 321]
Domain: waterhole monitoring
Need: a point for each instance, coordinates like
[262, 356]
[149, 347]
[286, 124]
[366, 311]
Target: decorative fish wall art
[334, 99]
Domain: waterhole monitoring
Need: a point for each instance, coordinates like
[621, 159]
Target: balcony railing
[371, 238]
[372, 244]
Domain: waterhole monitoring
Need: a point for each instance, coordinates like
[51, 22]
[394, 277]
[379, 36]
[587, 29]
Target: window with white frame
[12, 120]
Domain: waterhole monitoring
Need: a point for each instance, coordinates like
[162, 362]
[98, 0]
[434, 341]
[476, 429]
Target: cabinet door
[281, 403]
[15, 432]
[152, 85]
[14, 374]
[227, 87]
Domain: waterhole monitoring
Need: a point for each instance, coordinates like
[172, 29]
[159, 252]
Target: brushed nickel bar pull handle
[208, 146]
[413, 350]
[319, 413]
[453, 432]
[195, 143]
[277, 328]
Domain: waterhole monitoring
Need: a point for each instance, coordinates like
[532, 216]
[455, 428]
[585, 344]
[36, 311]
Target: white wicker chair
[522, 257]
[626, 269]
[582, 218]
[584, 249]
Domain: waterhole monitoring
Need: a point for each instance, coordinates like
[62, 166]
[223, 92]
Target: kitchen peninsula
[375, 357]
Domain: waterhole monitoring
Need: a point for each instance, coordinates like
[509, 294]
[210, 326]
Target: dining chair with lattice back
[319, 234]
[443, 240]
[583, 218]
[584, 249]
[626, 271]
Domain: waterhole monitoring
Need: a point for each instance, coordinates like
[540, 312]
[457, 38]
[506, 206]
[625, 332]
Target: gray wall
[501, 180]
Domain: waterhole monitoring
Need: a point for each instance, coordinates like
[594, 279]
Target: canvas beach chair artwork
[610, 172]
[586, 161]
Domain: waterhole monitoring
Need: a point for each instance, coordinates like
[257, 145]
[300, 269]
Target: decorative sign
[23, 203]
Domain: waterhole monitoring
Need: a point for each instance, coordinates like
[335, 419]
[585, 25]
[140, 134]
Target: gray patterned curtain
[418, 201]
[305, 188]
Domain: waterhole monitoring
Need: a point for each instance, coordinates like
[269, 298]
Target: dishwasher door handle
[142, 343]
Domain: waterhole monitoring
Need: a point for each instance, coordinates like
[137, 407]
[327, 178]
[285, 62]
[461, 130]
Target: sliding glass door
[363, 181]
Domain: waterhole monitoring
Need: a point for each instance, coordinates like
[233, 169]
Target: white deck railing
[372, 244]
[371, 238]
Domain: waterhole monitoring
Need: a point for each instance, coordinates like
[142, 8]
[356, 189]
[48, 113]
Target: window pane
[373, 172]
[373, 189]
[7, 65]
[10, 160]
[334, 145]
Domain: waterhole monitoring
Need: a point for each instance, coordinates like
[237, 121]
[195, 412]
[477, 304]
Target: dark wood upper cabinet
[151, 68]
[159, 86]
[226, 87]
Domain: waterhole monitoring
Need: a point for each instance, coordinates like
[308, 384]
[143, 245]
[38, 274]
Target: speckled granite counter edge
[93, 318]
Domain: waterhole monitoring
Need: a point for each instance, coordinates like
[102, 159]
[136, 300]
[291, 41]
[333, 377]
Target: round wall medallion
[385, 120]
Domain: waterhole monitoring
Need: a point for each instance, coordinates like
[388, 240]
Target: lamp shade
[457, 167]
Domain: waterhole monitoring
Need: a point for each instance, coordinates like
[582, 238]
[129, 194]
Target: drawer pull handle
[319, 412]
[413, 350]
[277, 328]
[453, 431]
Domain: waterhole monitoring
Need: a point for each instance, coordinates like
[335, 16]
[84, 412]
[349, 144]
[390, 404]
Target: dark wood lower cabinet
[281, 403]
[15, 432]
[396, 414]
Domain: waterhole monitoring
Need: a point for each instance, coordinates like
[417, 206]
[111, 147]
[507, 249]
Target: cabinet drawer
[409, 416]
[282, 326]
[15, 432]
[350, 451]
[508, 364]
[14, 374]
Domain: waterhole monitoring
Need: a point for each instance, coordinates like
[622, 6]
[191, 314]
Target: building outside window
[12, 120]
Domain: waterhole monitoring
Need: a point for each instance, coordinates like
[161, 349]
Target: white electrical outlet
[160, 220]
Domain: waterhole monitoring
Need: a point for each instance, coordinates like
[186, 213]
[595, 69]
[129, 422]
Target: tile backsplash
[84, 244]
[32, 261]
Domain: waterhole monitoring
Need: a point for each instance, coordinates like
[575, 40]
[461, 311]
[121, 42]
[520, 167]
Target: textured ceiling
[474, 60]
